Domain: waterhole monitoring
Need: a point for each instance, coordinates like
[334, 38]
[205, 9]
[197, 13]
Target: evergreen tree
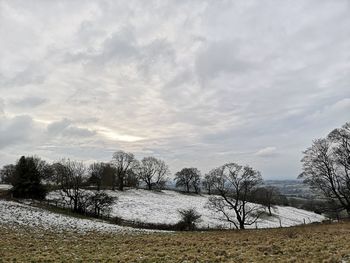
[27, 180]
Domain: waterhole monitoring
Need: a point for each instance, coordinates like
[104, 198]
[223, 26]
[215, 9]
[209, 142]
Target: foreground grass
[314, 243]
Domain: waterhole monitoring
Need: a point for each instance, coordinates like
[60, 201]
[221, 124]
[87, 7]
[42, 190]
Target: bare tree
[100, 203]
[209, 180]
[326, 166]
[266, 196]
[7, 173]
[152, 172]
[131, 178]
[71, 176]
[123, 162]
[188, 178]
[44, 168]
[234, 184]
[98, 172]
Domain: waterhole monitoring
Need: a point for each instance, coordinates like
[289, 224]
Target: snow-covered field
[5, 186]
[162, 207]
[16, 215]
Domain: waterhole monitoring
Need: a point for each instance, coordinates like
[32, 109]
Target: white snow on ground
[162, 207]
[15, 215]
[5, 186]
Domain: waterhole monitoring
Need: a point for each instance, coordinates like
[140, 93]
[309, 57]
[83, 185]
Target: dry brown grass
[314, 243]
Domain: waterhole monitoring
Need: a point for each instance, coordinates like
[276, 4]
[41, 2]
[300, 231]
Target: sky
[195, 83]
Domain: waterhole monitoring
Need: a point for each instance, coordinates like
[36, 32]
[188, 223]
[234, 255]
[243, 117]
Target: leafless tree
[188, 178]
[266, 196]
[123, 162]
[99, 203]
[326, 166]
[101, 175]
[71, 176]
[44, 168]
[7, 173]
[152, 172]
[208, 181]
[234, 184]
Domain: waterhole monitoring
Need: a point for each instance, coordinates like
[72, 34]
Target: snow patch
[162, 207]
[16, 215]
[5, 186]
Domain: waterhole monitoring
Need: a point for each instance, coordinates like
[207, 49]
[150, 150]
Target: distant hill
[292, 188]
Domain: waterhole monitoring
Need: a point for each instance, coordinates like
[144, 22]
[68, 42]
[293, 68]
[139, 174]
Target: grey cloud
[66, 128]
[15, 130]
[219, 58]
[30, 102]
[202, 82]
[22, 78]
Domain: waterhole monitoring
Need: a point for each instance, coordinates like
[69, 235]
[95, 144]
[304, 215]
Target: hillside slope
[15, 215]
[162, 207]
[310, 243]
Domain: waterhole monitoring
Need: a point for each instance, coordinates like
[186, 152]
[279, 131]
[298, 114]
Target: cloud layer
[198, 83]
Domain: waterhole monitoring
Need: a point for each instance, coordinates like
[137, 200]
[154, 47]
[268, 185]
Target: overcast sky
[196, 83]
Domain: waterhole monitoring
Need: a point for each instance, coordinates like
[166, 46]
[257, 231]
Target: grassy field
[313, 243]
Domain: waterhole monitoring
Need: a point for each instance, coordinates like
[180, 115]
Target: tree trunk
[113, 183]
[348, 211]
[241, 225]
[121, 185]
[75, 208]
[269, 207]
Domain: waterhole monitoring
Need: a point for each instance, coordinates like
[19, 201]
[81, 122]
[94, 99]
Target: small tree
[7, 173]
[123, 162]
[152, 172]
[27, 180]
[108, 176]
[97, 172]
[71, 177]
[235, 184]
[266, 196]
[100, 203]
[208, 181]
[189, 178]
[189, 218]
[131, 179]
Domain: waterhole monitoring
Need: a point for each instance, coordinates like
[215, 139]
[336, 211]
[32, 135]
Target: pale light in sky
[196, 83]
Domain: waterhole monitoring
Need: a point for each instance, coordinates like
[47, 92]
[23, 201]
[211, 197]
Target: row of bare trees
[236, 187]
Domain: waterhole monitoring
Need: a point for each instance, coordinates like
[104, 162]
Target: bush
[189, 218]
[99, 203]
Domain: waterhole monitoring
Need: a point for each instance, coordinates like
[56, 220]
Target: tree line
[232, 186]
[237, 192]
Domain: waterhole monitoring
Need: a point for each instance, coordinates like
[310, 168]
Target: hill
[162, 207]
[310, 243]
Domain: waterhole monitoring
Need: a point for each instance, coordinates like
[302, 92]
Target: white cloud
[267, 152]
